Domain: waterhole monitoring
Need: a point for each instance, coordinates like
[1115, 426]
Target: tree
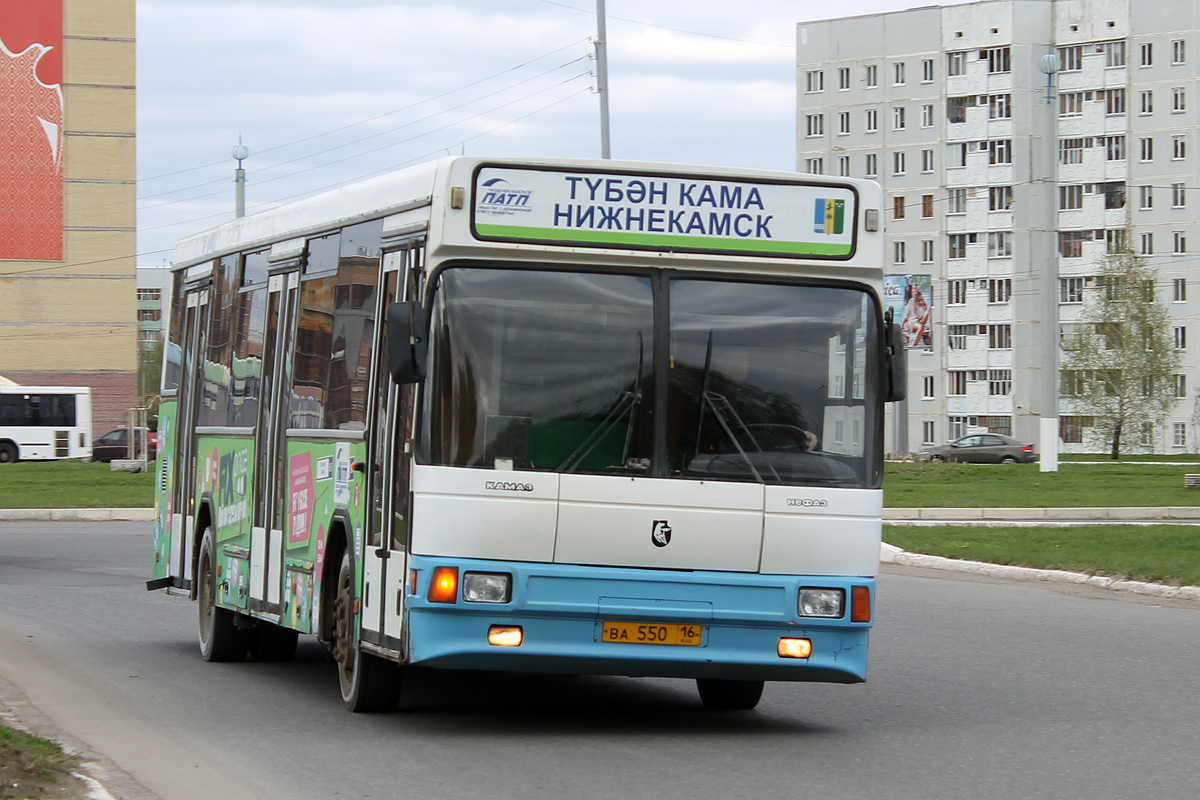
[1120, 361]
[149, 376]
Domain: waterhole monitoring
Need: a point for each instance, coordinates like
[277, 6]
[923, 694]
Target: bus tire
[269, 642]
[8, 453]
[220, 639]
[368, 683]
[729, 695]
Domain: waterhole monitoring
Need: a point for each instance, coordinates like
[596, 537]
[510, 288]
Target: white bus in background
[41, 423]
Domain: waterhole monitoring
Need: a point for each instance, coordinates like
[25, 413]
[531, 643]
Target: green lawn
[71, 484]
[1164, 553]
[919, 485]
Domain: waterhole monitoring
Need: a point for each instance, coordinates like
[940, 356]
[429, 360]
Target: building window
[1070, 104]
[927, 251]
[999, 382]
[999, 337]
[1114, 53]
[1180, 384]
[927, 71]
[1179, 434]
[814, 81]
[1180, 337]
[1114, 148]
[815, 124]
[1178, 51]
[844, 122]
[1179, 99]
[1148, 54]
[872, 120]
[1070, 197]
[898, 118]
[1147, 244]
[1072, 57]
[844, 166]
[1000, 151]
[956, 201]
[149, 314]
[999, 59]
[956, 154]
[1000, 106]
[956, 63]
[898, 207]
[1070, 429]
[1000, 198]
[1070, 243]
[1115, 241]
[956, 292]
[814, 166]
[999, 290]
[927, 115]
[1147, 147]
[1145, 197]
[1178, 195]
[1114, 194]
[999, 244]
[1114, 101]
[957, 384]
[149, 294]
[1180, 242]
[956, 336]
[926, 205]
[1179, 290]
[872, 76]
[927, 161]
[1070, 290]
[872, 165]
[958, 245]
[843, 78]
[898, 162]
[1070, 151]
[927, 431]
[956, 108]
[898, 252]
[1147, 99]
[898, 73]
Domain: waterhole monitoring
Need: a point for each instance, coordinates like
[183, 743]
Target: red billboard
[31, 129]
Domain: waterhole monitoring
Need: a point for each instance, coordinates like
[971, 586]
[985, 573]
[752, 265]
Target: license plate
[650, 633]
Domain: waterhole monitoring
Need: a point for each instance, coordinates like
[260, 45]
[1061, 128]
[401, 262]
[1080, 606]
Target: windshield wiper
[724, 411]
[626, 403]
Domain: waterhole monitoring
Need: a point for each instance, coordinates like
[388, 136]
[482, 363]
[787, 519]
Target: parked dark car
[980, 448]
[115, 444]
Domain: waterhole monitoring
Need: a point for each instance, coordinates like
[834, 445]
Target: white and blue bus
[41, 423]
[593, 417]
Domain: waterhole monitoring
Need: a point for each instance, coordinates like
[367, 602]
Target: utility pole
[1050, 64]
[239, 152]
[602, 78]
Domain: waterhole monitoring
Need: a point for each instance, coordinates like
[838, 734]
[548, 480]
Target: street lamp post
[1050, 64]
[239, 152]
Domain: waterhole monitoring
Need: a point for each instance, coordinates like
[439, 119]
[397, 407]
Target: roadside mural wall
[31, 130]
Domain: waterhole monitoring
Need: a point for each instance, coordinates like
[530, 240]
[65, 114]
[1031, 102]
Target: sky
[327, 92]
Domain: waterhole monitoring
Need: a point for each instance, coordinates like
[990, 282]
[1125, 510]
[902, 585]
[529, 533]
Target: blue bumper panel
[560, 609]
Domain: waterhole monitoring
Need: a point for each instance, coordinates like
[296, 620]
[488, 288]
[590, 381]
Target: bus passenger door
[183, 516]
[270, 478]
[385, 557]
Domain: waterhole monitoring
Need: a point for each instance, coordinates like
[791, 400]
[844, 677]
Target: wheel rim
[343, 651]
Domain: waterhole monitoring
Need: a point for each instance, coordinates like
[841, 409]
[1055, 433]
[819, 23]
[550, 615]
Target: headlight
[821, 602]
[485, 587]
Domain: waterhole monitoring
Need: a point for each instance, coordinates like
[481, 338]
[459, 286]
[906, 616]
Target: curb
[1119, 513]
[76, 514]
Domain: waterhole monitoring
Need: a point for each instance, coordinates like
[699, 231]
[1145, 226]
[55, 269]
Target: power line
[668, 28]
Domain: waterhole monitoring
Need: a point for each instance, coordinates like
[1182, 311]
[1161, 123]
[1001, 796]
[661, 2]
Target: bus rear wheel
[368, 683]
[220, 639]
[8, 453]
[729, 695]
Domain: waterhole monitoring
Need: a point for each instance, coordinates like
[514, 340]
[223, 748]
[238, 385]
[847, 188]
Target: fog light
[794, 648]
[816, 602]
[444, 586]
[483, 587]
[505, 636]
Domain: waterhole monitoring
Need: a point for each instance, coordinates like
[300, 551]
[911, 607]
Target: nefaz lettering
[807, 502]
[508, 486]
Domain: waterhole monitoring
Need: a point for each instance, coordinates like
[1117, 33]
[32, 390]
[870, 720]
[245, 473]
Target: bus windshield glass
[556, 371]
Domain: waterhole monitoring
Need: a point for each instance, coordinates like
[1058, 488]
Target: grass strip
[72, 484]
[1158, 553]
[30, 764]
[920, 485]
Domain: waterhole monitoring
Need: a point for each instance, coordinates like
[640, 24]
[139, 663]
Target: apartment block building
[1018, 142]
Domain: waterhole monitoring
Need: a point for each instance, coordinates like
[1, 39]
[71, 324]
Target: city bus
[551, 416]
[41, 423]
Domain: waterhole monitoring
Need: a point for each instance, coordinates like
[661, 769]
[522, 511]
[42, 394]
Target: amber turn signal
[860, 604]
[444, 586]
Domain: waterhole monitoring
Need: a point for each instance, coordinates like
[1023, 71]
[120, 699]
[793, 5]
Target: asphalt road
[977, 688]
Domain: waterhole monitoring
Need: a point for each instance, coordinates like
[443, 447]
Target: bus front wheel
[8, 453]
[729, 695]
[368, 683]
[220, 639]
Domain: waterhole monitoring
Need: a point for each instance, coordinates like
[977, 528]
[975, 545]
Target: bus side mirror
[896, 378]
[406, 342]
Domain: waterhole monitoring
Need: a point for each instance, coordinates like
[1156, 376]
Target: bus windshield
[557, 371]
